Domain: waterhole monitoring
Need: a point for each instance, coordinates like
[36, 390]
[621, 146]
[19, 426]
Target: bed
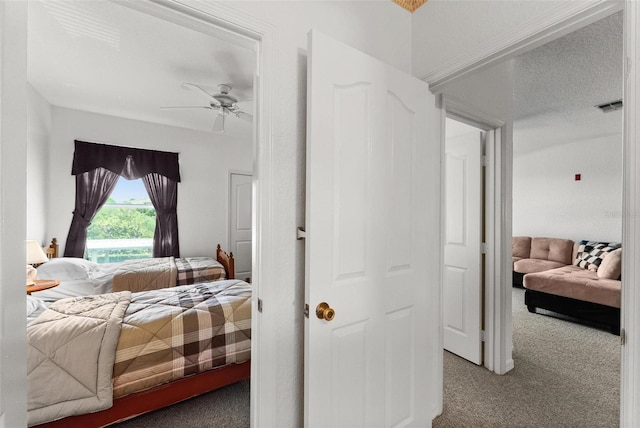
[80, 277]
[139, 351]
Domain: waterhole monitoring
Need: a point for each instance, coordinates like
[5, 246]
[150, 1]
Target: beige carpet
[565, 375]
[227, 407]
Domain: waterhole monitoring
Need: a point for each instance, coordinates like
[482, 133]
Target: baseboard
[510, 365]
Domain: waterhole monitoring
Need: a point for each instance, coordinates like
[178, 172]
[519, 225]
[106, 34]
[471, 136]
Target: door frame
[219, 20]
[480, 138]
[225, 21]
[497, 312]
[555, 23]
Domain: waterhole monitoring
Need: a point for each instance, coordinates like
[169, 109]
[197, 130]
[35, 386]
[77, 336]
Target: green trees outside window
[116, 221]
[122, 230]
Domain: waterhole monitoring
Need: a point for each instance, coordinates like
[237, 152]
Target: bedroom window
[98, 169]
[123, 228]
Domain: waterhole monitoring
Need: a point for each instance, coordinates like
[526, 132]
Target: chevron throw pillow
[591, 253]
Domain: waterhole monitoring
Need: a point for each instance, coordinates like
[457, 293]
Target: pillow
[591, 253]
[34, 305]
[66, 268]
[611, 266]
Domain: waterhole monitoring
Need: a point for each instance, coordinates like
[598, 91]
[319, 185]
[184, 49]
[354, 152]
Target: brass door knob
[324, 312]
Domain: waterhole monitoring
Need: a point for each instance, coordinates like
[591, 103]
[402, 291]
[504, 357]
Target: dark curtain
[97, 168]
[163, 193]
[129, 162]
[92, 191]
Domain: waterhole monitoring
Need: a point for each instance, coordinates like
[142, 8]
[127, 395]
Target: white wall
[447, 30]
[205, 161]
[13, 142]
[547, 201]
[38, 132]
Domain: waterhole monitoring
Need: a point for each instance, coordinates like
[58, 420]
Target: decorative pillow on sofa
[591, 253]
[611, 266]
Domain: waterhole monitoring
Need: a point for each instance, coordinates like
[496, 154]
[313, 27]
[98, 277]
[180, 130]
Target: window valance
[129, 162]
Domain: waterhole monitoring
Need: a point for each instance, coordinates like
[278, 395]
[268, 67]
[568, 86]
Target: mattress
[162, 335]
[80, 277]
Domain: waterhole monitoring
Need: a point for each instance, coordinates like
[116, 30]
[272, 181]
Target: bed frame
[164, 395]
[227, 261]
[51, 250]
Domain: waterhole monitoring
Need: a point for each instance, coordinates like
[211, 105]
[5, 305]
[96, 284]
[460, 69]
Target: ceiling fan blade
[244, 116]
[185, 84]
[218, 123]
[171, 107]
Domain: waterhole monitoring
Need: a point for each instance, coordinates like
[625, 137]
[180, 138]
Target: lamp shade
[35, 253]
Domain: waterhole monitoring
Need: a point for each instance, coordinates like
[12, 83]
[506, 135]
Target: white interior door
[462, 275]
[372, 247]
[240, 223]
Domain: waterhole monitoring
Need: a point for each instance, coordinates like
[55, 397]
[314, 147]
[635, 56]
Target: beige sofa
[576, 279]
[532, 255]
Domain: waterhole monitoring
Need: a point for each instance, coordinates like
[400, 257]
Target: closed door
[373, 242]
[240, 223]
[462, 273]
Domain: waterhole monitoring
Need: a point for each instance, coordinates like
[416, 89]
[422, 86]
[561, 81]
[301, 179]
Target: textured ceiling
[106, 58]
[557, 85]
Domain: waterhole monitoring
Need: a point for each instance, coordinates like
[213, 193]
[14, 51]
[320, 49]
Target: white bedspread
[70, 355]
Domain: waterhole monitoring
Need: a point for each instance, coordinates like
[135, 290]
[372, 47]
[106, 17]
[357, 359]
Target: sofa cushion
[520, 247]
[576, 283]
[553, 249]
[591, 253]
[611, 266]
[535, 265]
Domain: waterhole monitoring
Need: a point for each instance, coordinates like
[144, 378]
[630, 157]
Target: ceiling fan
[223, 103]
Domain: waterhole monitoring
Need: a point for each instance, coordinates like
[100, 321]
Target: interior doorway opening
[507, 261]
[464, 240]
[221, 22]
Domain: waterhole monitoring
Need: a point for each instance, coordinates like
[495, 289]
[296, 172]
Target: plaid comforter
[176, 332]
[198, 269]
[162, 272]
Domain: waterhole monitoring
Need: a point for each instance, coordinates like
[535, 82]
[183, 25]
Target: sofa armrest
[521, 247]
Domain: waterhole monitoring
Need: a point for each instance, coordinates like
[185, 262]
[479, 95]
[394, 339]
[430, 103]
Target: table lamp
[35, 255]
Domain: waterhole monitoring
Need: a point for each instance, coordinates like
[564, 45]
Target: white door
[462, 286]
[240, 223]
[372, 247]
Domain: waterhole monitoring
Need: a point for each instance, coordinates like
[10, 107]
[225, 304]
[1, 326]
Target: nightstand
[42, 284]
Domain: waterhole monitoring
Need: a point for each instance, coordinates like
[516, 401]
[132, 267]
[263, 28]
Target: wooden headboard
[227, 261]
[52, 249]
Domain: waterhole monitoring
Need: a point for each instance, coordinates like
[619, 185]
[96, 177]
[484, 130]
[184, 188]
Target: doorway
[255, 35]
[464, 240]
[506, 254]
[240, 214]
